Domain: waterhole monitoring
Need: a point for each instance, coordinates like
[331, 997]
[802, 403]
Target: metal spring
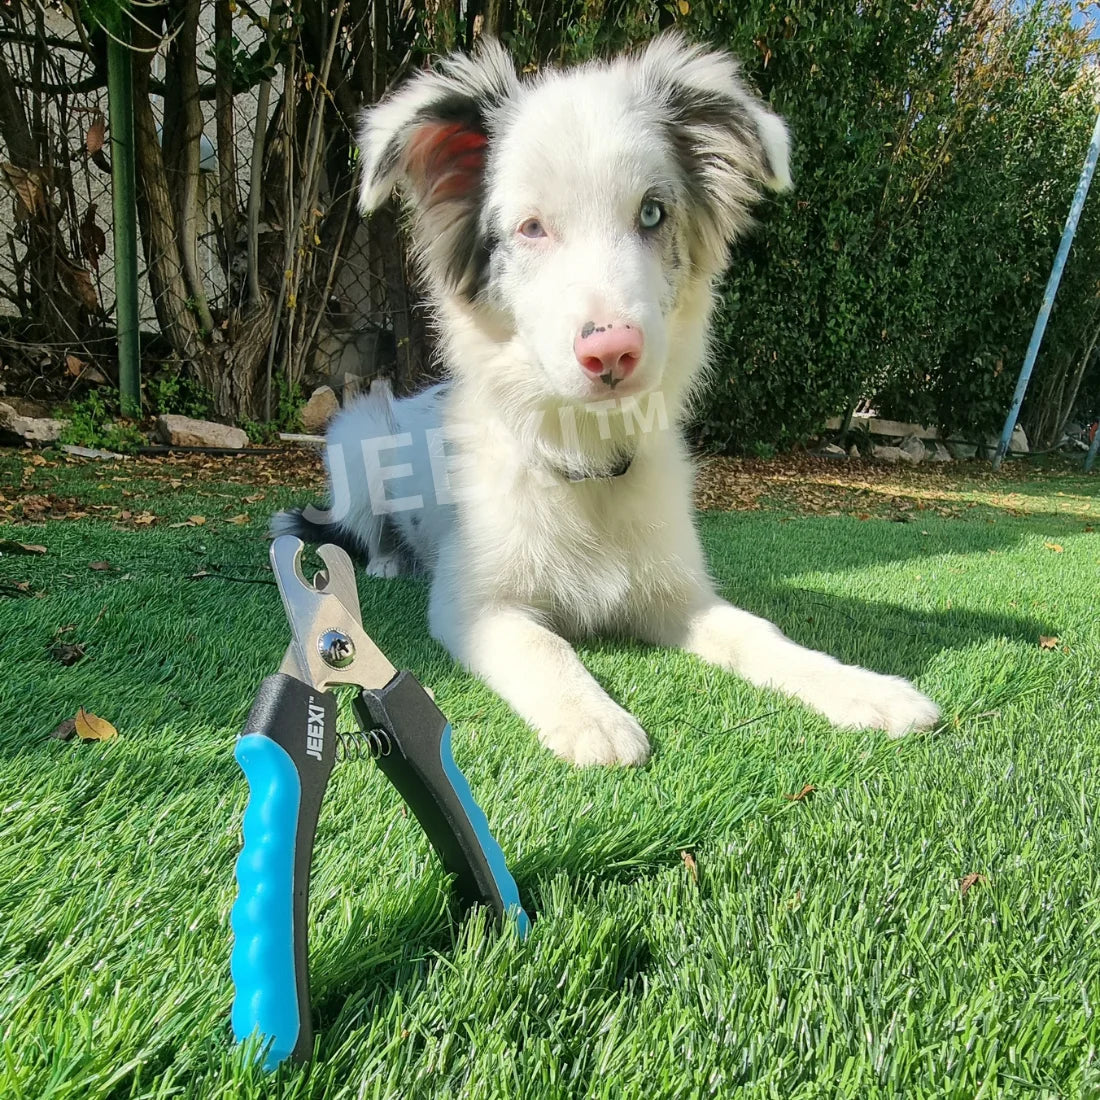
[359, 744]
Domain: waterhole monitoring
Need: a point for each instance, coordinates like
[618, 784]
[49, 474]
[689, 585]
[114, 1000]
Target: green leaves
[935, 154]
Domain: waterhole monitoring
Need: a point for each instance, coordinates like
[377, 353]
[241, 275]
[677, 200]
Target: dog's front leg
[540, 676]
[759, 651]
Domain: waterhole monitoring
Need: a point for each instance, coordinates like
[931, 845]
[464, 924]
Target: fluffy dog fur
[549, 502]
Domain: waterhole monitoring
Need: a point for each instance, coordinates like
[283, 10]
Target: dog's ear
[431, 140]
[729, 143]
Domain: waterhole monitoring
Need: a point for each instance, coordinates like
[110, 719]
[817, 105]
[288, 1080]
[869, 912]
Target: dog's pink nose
[608, 350]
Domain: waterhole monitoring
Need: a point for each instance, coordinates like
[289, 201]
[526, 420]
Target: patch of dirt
[34, 487]
[811, 485]
[124, 490]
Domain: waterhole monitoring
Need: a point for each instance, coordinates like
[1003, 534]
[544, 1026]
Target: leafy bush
[288, 413]
[94, 422]
[167, 393]
[936, 150]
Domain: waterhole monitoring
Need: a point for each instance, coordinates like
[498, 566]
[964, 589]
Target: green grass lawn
[819, 947]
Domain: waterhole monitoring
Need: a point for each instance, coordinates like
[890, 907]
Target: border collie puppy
[570, 228]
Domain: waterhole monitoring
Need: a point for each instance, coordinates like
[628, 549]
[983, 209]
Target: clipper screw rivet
[336, 648]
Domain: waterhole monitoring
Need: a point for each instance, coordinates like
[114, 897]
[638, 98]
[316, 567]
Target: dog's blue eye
[532, 228]
[651, 214]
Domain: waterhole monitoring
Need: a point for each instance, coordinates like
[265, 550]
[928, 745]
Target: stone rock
[319, 409]
[961, 449]
[184, 431]
[893, 455]
[1018, 444]
[914, 449]
[831, 450]
[26, 406]
[30, 429]
[93, 376]
[853, 451]
[939, 453]
[39, 429]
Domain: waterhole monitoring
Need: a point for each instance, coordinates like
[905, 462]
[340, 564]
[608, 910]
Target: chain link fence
[277, 254]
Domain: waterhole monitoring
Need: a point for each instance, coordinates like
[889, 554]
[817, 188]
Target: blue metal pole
[1049, 294]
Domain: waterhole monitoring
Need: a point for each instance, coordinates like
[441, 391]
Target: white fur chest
[588, 555]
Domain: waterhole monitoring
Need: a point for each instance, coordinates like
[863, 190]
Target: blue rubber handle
[286, 753]
[491, 850]
[262, 961]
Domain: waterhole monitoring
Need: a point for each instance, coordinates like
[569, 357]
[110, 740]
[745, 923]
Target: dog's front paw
[596, 736]
[856, 698]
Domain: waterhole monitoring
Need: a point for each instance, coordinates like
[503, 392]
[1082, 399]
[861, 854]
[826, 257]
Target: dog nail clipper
[287, 752]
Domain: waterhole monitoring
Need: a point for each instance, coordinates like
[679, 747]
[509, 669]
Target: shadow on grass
[355, 988]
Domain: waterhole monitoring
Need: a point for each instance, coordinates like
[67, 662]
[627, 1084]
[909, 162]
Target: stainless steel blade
[318, 616]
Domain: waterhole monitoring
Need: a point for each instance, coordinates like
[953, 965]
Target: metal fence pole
[1048, 295]
[120, 99]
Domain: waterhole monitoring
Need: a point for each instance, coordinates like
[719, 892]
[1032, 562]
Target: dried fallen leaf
[1047, 642]
[93, 244]
[78, 282]
[28, 186]
[239, 520]
[1054, 546]
[15, 588]
[691, 865]
[91, 727]
[802, 794]
[971, 880]
[97, 133]
[65, 731]
[260, 496]
[198, 521]
[10, 546]
[144, 519]
[67, 653]
[101, 566]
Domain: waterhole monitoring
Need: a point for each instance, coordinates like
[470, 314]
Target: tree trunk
[59, 292]
[183, 136]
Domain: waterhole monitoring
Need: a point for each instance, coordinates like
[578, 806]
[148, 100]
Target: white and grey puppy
[570, 228]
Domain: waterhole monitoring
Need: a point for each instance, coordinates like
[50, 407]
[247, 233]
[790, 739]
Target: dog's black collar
[617, 470]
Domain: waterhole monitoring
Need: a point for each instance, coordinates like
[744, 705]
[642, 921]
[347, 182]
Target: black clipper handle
[420, 765]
